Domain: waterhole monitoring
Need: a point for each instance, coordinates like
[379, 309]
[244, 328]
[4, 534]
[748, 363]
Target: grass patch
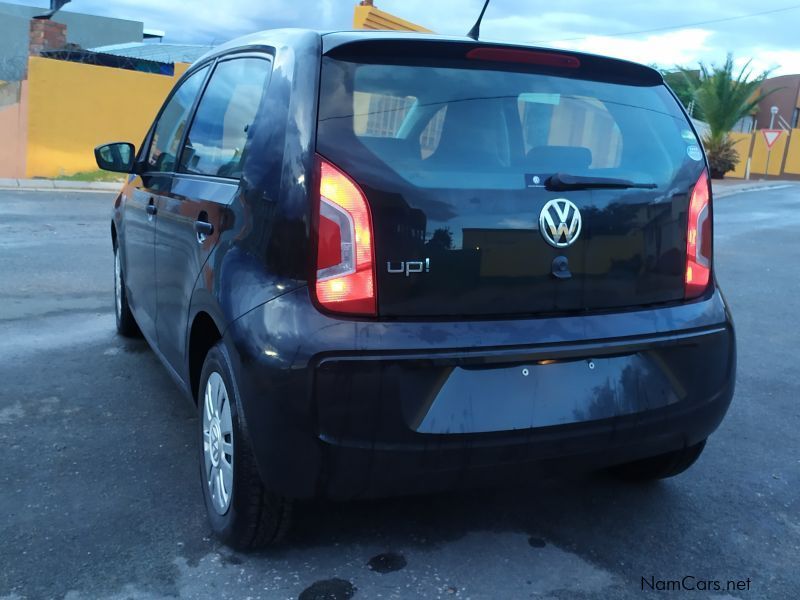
[94, 176]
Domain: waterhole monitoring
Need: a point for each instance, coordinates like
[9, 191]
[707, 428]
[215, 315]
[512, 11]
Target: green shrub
[722, 156]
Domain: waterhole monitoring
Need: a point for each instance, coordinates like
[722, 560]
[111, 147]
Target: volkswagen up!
[386, 263]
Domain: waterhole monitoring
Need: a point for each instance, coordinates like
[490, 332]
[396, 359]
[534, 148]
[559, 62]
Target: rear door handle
[151, 207]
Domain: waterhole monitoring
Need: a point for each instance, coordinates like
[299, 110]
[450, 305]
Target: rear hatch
[507, 182]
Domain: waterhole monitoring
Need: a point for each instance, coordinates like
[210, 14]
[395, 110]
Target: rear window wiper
[562, 181]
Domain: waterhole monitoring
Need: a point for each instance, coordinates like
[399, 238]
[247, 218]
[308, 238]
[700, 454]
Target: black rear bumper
[347, 409]
[384, 471]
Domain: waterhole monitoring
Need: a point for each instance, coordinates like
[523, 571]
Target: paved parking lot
[99, 495]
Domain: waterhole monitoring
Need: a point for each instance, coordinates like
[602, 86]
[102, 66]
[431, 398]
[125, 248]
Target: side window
[172, 123]
[218, 135]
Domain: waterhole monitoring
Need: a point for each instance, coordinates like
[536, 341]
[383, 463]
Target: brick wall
[46, 35]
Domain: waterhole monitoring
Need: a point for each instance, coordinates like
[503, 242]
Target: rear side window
[171, 124]
[445, 127]
[217, 139]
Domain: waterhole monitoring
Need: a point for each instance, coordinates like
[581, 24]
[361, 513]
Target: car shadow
[566, 511]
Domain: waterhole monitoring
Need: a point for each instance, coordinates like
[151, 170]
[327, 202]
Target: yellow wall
[73, 107]
[743, 143]
[369, 17]
[785, 154]
[793, 154]
[759, 163]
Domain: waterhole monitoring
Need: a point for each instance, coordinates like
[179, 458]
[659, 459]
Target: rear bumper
[346, 409]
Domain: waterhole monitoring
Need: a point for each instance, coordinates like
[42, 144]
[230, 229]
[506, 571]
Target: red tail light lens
[530, 57]
[698, 240]
[345, 269]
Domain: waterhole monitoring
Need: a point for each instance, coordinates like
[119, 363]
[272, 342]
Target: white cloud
[665, 49]
[780, 62]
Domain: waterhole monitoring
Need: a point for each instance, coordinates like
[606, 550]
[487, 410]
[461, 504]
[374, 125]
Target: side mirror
[117, 157]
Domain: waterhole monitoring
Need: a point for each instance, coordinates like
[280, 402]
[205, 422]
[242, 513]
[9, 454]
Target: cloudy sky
[654, 31]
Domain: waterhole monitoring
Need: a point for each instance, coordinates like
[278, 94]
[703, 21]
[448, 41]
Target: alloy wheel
[218, 443]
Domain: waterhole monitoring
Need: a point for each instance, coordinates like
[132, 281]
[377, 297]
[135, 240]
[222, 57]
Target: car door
[157, 162]
[192, 215]
[138, 254]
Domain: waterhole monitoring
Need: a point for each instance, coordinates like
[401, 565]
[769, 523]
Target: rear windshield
[446, 127]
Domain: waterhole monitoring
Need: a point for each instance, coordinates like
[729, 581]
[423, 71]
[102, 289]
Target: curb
[57, 184]
[757, 187]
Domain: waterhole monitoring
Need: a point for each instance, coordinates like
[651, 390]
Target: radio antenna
[475, 32]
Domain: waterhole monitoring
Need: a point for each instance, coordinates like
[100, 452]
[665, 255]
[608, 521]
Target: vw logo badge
[560, 223]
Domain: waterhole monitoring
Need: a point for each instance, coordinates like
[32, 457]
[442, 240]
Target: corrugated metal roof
[90, 57]
[164, 53]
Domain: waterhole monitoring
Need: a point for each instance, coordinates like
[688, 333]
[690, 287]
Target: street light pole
[772, 112]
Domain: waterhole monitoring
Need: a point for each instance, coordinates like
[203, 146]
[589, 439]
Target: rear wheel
[241, 511]
[126, 324]
[661, 466]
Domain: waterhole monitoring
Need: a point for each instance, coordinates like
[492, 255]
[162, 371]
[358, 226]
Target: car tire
[661, 466]
[242, 512]
[126, 324]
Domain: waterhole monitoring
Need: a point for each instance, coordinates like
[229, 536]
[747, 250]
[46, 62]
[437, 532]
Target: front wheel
[661, 466]
[241, 511]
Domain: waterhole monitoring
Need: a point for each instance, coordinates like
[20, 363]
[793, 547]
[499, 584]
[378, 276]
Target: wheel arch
[204, 333]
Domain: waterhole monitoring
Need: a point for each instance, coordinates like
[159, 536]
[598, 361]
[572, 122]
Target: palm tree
[722, 98]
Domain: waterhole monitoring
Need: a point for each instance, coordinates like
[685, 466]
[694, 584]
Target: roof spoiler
[422, 50]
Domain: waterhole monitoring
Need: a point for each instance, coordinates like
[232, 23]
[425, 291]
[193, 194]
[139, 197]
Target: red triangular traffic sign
[771, 136]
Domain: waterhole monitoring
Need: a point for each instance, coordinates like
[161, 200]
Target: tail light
[345, 266]
[698, 240]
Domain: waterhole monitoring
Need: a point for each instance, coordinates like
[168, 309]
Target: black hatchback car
[385, 263]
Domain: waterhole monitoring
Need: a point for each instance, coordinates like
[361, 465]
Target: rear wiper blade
[562, 181]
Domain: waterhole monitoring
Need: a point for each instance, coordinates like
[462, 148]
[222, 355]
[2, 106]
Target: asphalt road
[100, 496]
